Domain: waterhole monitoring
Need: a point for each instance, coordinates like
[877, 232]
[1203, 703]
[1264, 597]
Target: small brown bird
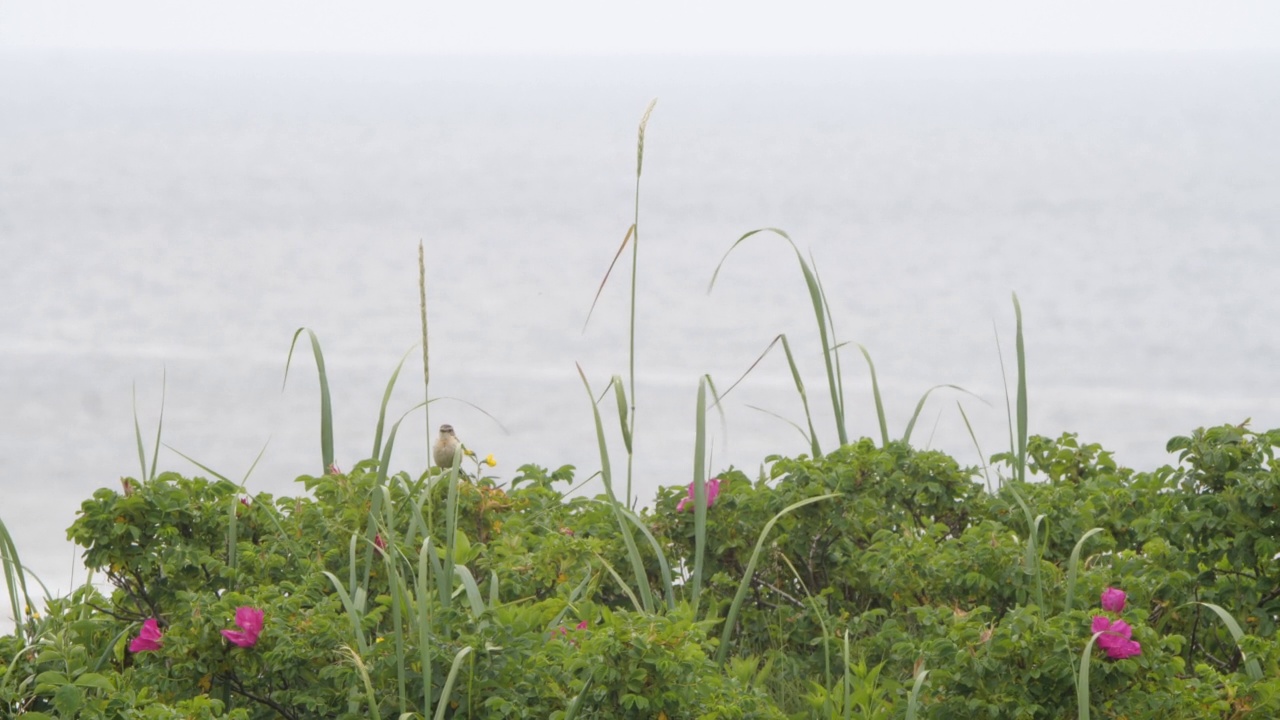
[447, 446]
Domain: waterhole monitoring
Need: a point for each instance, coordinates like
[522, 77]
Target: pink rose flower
[149, 638]
[1116, 638]
[250, 622]
[1113, 600]
[713, 491]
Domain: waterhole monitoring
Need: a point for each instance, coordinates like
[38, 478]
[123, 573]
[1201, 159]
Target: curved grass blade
[783, 419]
[1073, 566]
[1082, 679]
[667, 586]
[913, 700]
[625, 240]
[363, 671]
[906, 436]
[386, 398]
[576, 705]
[875, 392]
[473, 590]
[473, 406]
[732, 617]
[1251, 666]
[326, 406]
[447, 691]
[635, 601]
[972, 436]
[353, 614]
[818, 301]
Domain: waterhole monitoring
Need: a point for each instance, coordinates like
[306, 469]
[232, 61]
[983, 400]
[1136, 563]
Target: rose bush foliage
[913, 566]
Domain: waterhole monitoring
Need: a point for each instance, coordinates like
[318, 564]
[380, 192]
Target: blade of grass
[425, 555]
[606, 474]
[727, 633]
[363, 672]
[626, 589]
[626, 239]
[1022, 393]
[15, 580]
[811, 438]
[875, 392]
[1251, 666]
[155, 454]
[1073, 566]
[576, 705]
[818, 301]
[1082, 679]
[447, 691]
[326, 407]
[137, 433]
[972, 436]
[913, 700]
[353, 613]
[699, 491]
[382, 411]
[662, 558]
[906, 436]
[473, 590]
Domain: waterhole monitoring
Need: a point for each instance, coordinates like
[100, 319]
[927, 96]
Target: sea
[169, 222]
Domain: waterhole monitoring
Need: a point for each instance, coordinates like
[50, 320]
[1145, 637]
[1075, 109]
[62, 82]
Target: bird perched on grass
[447, 445]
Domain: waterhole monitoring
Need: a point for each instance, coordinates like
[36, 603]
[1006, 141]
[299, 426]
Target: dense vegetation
[899, 568]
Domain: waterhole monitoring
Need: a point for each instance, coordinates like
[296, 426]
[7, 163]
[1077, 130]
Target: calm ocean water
[179, 217]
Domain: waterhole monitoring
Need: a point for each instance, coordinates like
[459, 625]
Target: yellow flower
[468, 452]
[490, 461]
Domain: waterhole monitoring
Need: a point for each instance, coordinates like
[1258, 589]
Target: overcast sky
[648, 26]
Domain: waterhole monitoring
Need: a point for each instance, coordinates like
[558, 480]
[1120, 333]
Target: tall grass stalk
[326, 405]
[632, 237]
[727, 633]
[426, 365]
[699, 491]
[1021, 468]
[826, 332]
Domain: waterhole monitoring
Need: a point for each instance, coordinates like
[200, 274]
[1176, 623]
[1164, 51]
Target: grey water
[168, 221]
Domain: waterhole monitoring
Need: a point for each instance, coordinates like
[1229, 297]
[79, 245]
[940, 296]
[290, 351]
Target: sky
[662, 27]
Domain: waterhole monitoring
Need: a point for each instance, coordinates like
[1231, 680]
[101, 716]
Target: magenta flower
[713, 491]
[562, 630]
[379, 543]
[1116, 638]
[1113, 600]
[250, 622]
[149, 638]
